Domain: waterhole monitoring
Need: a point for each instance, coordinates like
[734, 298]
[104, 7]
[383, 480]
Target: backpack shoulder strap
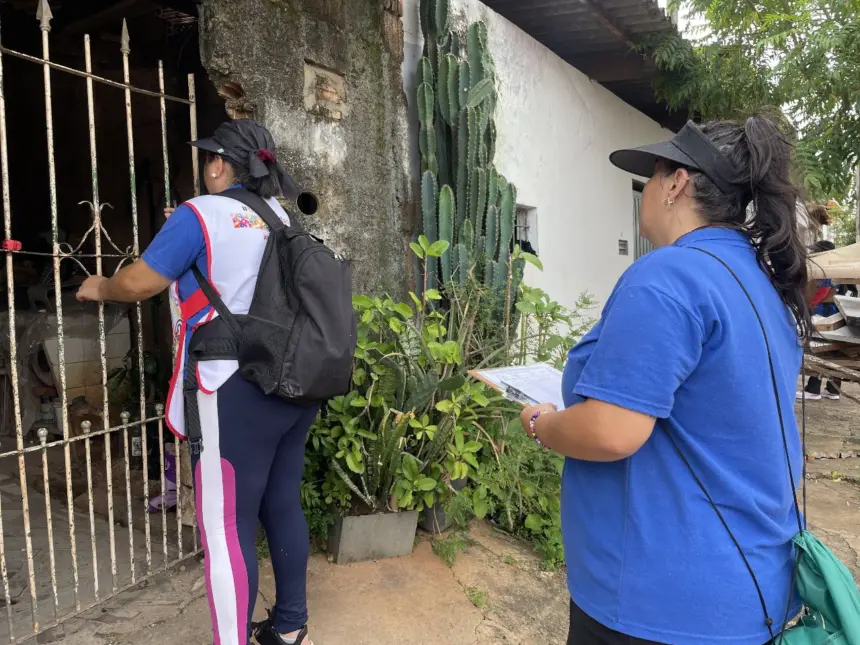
[262, 208]
[215, 300]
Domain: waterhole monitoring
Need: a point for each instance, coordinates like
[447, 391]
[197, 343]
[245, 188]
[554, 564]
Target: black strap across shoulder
[268, 215]
[800, 520]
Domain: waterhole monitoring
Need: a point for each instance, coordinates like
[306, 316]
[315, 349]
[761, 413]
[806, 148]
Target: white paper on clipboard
[525, 384]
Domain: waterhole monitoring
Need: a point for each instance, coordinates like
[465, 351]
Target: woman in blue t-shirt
[679, 355]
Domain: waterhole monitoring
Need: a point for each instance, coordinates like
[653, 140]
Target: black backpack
[298, 339]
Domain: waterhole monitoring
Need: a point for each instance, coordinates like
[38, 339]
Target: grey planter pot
[435, 520]
[372, 537]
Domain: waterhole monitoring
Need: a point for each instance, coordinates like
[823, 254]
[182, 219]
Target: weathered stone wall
[324, 76]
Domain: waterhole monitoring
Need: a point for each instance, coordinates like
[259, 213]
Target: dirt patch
[833, 474]
[520, 603]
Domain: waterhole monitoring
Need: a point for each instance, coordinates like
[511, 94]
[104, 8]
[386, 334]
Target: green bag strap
[800, 526]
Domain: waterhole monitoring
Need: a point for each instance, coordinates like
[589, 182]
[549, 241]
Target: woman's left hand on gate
[90, 290]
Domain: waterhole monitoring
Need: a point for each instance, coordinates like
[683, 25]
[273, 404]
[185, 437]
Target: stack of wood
[834, 349]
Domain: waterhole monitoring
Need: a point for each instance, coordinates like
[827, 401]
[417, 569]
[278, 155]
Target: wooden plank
[821, 347]
[814, 363]
[831, 323]
[846, 334]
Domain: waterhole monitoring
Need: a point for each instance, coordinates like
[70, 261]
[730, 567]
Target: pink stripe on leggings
[237, 561]
[234, 548]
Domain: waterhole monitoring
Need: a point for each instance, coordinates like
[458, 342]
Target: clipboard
[524, 384]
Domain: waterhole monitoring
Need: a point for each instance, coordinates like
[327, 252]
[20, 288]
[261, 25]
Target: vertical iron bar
[97, 226]
[44, 16]
[195, 169]
[177, 464]
[43, 439]
[195, 154]
[165, 154]
[86, 426]
[126, 50]
[12, 368]
[124, 417]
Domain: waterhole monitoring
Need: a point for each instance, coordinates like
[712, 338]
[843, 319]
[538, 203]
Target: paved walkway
[495, 594]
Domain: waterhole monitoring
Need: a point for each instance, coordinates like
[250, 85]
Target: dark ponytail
[765, 207]
[265, 187]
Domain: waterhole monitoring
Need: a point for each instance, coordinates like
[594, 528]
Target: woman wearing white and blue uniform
[251, 466]
[679, 355]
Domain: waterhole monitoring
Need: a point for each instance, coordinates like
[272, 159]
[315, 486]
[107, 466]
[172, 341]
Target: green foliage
[843, 224]
[123, 382]
[261, 544]
[547, 329]
[519, 488]
[800, 58]
[412, 422]
[477, 596]
[449, 548]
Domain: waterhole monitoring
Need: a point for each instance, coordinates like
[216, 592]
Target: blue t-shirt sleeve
[178, 245]
[649, 344]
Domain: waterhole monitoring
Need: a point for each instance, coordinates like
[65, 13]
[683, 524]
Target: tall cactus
[478, 200]
[475, 208]
[447, 206]
[429, 206]
[492, 233]
[429, 200]
[507, 215]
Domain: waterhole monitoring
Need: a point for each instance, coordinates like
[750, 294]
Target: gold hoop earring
[668, 203]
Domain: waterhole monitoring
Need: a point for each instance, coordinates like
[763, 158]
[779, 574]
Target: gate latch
[11, 245]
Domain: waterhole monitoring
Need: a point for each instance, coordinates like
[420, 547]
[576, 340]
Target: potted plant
[409, 428]
[124, 392]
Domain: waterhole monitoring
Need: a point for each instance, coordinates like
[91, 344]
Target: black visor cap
[641, 161]
[691, 149]
[209, 145]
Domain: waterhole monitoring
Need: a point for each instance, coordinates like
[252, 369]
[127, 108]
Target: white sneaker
[830, 396]
[809, 396]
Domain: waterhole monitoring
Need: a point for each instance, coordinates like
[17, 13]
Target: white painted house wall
[556, 131]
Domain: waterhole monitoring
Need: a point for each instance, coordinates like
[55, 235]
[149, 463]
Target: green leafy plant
[519, 488]
[123, 382]
[412, 421]
[547, 329]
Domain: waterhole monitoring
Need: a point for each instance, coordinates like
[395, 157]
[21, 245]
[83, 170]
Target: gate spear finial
[44, 15]
[125, 47]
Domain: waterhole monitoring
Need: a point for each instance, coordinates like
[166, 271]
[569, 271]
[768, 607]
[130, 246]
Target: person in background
[821, 304]
[818, 217]
[678, 357]
[250, 469]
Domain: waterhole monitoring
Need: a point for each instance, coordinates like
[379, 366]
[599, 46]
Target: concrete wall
[325, 77]
[556, 131]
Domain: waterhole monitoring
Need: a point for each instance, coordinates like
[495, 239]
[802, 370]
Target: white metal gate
[642, 246]
[68, 579]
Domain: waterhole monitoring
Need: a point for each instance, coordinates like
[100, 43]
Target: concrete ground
[495, 593]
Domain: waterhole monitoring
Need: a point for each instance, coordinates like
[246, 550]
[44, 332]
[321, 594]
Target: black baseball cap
[243, 141]
[690, 148]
